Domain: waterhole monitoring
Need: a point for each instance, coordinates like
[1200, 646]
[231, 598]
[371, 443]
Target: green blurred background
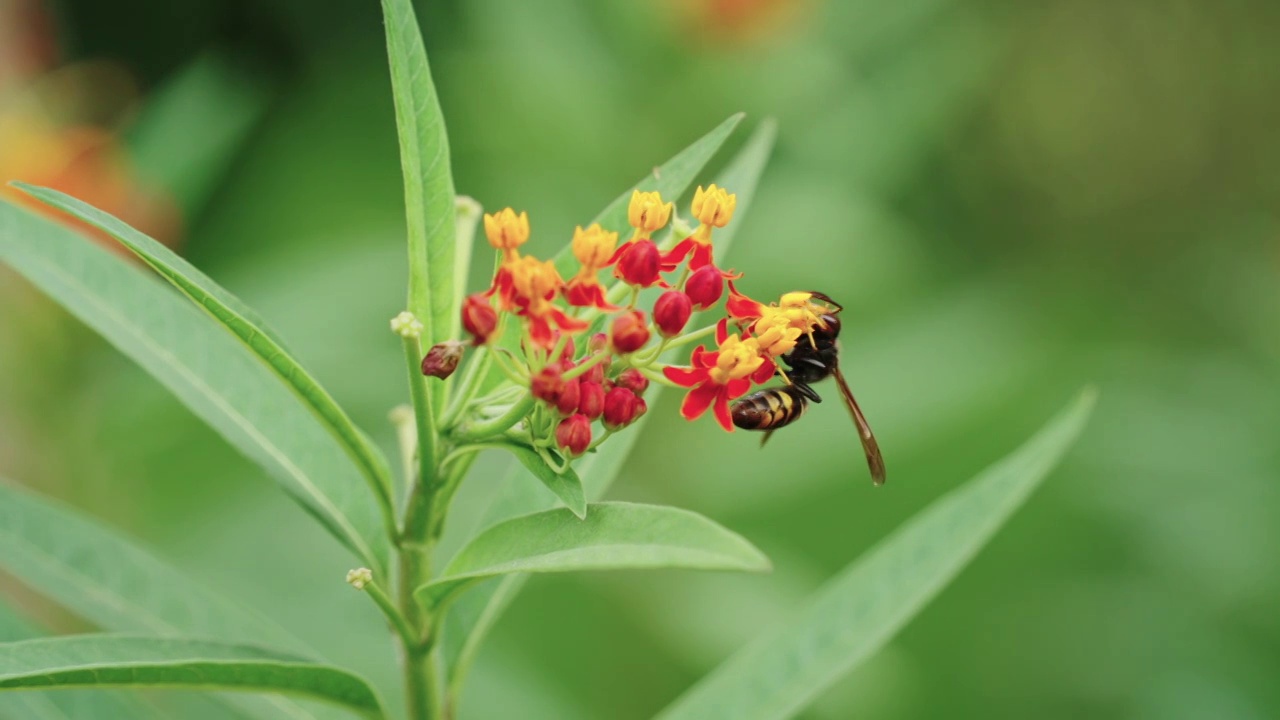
[1011, 199]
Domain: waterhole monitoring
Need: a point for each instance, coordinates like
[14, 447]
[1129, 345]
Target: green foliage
[221, 360]
[212, 372]
[862, 608]
[613, 536]
[565, 485]
[244, 323]
[123, 660]
[428, 180]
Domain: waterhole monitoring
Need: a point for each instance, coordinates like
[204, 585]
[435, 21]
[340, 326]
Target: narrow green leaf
[210, 371]
[67, 704]
[428, 180]
[129, 661]
[613, 536]
[566, 486]
[472, 615]
[861, 609]
[236, 318]
[107, 579]
[671, 179]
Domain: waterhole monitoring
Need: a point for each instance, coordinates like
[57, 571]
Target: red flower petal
[698, 400]
[701, 256]
[737, 388]
[677, 254]
[723, 416]
[722, 330]
[765, 372]
[685, 377]
[741, 307]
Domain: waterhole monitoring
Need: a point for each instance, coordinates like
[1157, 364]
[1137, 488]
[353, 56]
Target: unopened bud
[573, 435]
[442, 359]
[705, 286]
[547, 383]
[619, 408]
[359, 577]
[629, 332]
[590, 399]
[567, 403]
[639, 264]
[479, 318]
[633, 380]
[598, 342]
[642, 407]
[671, 313]
[406, 325]
[596, 373]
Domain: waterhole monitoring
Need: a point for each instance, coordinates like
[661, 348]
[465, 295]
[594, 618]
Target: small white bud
[359, 577]
[406, 325]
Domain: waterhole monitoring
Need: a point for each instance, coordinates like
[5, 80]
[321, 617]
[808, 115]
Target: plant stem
[489, 428]
[423, 411]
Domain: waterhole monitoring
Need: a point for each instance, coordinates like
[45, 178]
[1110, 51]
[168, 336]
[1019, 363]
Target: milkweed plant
[555, 362]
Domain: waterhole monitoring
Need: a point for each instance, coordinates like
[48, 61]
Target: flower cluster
[585, 351]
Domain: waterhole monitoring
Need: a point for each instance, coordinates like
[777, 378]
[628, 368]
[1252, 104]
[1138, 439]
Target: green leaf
[566, 486]
[128, 661]
[613, 536]
[236, 318]
[64, 705]
[428, 181]
[210, 371]
[107, 579]
[671, 179]
[861, 609]
[472, 615]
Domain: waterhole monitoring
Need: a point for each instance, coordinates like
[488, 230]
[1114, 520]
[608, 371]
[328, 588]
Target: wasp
[813, 359]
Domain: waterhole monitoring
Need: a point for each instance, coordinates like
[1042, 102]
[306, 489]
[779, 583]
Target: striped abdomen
[769, 409]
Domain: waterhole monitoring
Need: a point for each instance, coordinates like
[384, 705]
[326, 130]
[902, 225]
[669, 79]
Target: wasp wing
[869, 445]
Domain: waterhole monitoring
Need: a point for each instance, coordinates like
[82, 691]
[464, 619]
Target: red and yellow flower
[638, 262]
[717, 377]
[506, 232]
[534, 285]
[713, 207]
[594, 249]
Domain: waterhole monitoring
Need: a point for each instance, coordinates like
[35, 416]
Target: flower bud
[547, 383]
[705, 286]
[642, 407]
[619, 408]
[479, 318]
[442, 359]
[595, 373]
[633, 380]
[671, 312]
[406, 325]
[359, 577]
[629, 332]
[573, 435]
[598, 342]
[567, 403]
[639, 264]
[590, 399]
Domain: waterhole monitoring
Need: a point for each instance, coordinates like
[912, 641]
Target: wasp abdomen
[769, 409]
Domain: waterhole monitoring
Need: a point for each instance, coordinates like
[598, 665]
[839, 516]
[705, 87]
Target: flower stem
[480, 430]
[422, 409]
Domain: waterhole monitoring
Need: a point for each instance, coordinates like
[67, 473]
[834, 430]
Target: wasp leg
[807, 392]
